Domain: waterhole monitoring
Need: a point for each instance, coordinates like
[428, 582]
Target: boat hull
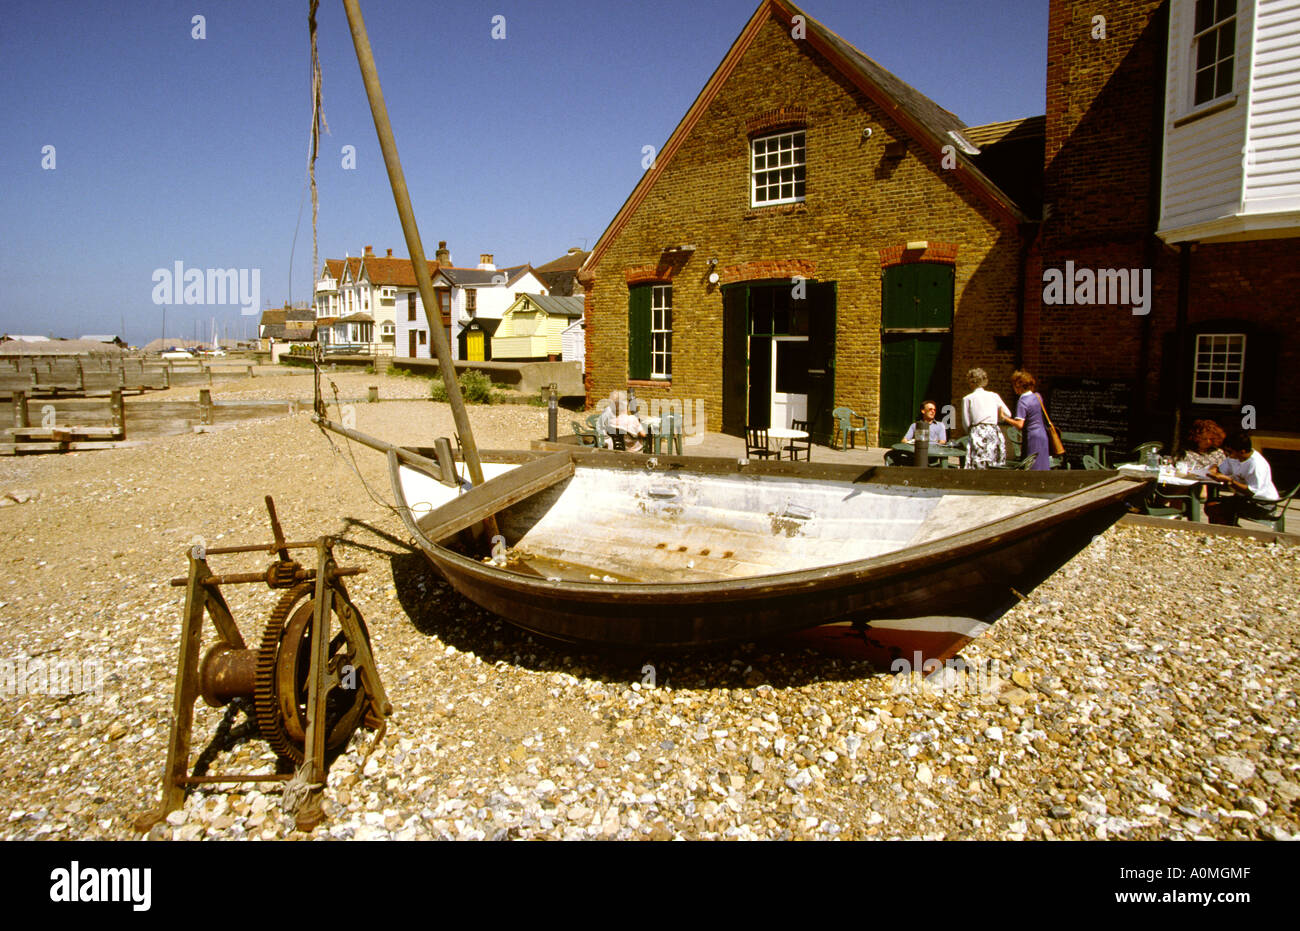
[976, 574]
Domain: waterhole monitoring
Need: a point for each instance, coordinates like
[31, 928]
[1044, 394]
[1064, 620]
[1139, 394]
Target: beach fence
[79, 376]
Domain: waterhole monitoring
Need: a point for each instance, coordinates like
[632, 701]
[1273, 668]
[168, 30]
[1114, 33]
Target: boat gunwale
[1112, 487]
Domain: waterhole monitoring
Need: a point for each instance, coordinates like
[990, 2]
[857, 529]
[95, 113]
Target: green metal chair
[1090, 462]
[894, 458]
[844, 427]
[1276, 521]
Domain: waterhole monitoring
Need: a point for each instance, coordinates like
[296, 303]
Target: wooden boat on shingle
[669, 552]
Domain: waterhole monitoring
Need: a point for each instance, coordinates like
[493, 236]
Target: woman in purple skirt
[1029, 418]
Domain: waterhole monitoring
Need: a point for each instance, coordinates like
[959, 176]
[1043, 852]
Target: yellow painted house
[531, 327]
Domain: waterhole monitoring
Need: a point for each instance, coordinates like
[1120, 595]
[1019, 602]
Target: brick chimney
[442, 256]
[370, 250]
[390, 254]
[485, 262]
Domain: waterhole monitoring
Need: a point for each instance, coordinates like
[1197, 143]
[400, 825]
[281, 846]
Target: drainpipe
[1180, 339]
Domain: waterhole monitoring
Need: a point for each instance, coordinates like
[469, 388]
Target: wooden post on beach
[20, 409]
[205, 406]
[119, 412]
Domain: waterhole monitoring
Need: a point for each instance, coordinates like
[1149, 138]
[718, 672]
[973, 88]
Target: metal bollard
[922, 439]
[552, 415]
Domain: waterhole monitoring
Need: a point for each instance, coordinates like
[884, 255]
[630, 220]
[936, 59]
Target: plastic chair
[1276, 520]
[1014, 441]
[756, 443]
[593, 421]
[586, 436]
[894, 458]
[1020, 464]
[844, 427]
[1139, 452]
[669, 437]
[797, 446]
[1152, 508]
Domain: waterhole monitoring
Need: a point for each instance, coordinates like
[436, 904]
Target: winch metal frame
[296, 725]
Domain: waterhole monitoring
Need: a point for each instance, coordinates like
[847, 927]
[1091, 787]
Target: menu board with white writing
[1092, 405]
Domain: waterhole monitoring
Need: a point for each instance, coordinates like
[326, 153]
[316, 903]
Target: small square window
[1219, 368]
[777, 175]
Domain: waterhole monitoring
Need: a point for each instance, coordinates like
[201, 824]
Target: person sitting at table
[617, 419]
[1029, 419]
[938, 432]
[1202, 451]
[1250, 477]
[982, 413]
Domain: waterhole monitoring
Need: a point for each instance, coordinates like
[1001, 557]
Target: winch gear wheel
[283, 668]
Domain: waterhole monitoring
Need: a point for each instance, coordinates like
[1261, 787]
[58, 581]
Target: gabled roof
[483, 277]
[551, 305]
[399, 273]
[927, 123]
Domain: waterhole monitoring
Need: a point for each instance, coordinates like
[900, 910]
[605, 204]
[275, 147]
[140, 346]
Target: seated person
[1202, 450]
[938, 432]
[616, 419]
[1249, 475]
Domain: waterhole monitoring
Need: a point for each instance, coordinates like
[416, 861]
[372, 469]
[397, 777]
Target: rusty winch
[309, 689]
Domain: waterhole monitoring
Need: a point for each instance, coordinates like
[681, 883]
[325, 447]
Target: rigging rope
[317, 124]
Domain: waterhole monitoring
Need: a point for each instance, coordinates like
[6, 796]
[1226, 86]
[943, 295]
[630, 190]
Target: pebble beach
[1146, 691]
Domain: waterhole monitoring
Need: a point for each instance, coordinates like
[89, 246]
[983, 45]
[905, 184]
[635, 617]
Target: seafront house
[532, 327]
[356, 302]
[832, 238]
[471, 303]
[1172, 157]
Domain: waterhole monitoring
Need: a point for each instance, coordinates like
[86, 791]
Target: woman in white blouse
[982, 412]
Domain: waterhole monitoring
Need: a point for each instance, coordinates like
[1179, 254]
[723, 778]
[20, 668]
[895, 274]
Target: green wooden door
[821, 360]
[916, 344]
[912, 369]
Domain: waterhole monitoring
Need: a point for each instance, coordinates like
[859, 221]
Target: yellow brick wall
[857, 204]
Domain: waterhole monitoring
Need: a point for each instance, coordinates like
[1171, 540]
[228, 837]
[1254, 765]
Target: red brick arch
[768, 270]
[945, 252]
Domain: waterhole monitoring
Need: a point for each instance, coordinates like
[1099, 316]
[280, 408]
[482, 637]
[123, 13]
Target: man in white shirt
[938, 432]
[1248, 474]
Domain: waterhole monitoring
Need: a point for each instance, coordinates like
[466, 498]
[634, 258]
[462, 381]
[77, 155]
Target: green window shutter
[638, 332]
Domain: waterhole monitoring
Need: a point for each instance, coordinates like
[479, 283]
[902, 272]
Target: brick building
[1170, 151]
[815, 233]
[1149, 112]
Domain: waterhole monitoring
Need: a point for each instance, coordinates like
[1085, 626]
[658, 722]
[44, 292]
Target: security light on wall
[713, 271]
[866, 133]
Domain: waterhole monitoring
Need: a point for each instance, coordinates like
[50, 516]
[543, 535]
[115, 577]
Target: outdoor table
[1191, 483]
[784, 433]
[1096, 440]
[944, 453]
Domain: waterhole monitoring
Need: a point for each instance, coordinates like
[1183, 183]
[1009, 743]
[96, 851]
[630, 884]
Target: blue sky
[173, 149]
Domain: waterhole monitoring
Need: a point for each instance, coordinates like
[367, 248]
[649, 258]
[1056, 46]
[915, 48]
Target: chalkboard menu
[1092, 405]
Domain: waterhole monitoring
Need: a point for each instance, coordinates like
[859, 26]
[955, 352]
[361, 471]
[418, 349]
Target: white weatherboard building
[1231, 160]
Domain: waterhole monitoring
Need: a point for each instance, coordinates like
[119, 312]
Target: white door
[789, 379]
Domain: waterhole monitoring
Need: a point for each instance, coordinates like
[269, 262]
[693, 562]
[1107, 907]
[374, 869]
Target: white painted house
[356, 302]
[1231, 161]
[472, 302]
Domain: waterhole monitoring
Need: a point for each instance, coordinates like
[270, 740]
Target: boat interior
[602, 524]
